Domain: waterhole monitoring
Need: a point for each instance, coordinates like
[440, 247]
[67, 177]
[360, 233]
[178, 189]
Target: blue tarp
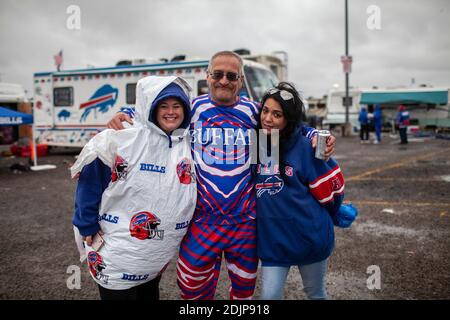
[432, 97]
[10, 117]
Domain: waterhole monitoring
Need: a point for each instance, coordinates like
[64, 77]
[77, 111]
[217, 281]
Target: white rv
[71, 106]
[335, 110]
[428, 107]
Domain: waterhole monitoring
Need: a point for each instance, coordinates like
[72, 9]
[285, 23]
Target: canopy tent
[10, 117]
[405, 97]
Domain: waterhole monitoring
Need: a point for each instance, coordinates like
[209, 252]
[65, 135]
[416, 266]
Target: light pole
[347, 100]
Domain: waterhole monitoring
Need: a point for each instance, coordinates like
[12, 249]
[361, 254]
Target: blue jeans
[378, 132]
[313, 277]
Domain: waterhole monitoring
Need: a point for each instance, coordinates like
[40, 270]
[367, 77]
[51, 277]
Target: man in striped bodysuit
[224, 219]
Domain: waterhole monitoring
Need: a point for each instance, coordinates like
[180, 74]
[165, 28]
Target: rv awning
[432, 97]
[10, 117]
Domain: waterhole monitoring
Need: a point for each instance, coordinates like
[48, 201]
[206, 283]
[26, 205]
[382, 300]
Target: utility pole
[347, 64]
[347, 100]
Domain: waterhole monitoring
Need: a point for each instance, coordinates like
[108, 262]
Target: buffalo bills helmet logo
[184, 172]
[120, 169]
[96, 264]
[144, 225]
[272, 185]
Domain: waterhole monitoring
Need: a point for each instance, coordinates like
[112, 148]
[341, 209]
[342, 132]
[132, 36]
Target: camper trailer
[428, 107]
[71, 106]
[278, 67]
[335, 109]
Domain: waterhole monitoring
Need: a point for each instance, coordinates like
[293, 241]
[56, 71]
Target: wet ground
[398, 248]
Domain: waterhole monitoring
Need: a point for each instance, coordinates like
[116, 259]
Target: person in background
[136, 190]
[364, 125]
[378, 123]
[402, 120]
[299, 200]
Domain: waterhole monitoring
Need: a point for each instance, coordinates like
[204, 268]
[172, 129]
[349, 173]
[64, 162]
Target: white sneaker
[376, 142]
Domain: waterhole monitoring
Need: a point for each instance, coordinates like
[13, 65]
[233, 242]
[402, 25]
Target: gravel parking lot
[402, 231]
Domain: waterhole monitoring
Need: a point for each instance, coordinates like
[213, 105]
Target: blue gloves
[345, 216]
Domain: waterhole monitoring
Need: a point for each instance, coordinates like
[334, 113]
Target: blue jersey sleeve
[128, 111]
[326, 183]
[309, 132]
[93, 180]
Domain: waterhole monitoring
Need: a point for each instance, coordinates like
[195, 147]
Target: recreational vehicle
[428, 107]
[71, 106]
[335, 109]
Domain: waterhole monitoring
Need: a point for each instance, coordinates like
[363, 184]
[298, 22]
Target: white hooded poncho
[147, 206]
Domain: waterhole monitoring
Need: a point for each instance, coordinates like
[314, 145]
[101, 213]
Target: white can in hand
[322, 136]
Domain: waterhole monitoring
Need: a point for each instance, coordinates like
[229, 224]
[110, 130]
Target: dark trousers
[364, 132]
[403, 136]
[147, 291]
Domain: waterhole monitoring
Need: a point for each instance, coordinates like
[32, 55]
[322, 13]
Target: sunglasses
[218, 75]
[285, 95]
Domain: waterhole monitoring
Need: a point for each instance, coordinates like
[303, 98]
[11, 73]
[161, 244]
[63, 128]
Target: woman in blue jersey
[299, 199]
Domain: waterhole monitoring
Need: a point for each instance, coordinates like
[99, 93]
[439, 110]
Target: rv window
[350, 102]
[131, 93]
[274, 68]
[202, 87]
[63, 97]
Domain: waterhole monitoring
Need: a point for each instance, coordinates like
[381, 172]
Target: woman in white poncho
[137, 189]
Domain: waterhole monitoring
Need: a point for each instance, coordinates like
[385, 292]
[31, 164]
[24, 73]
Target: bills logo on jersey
[336, 184]
[289, 171]
[185, 172]
[96, 266]
[268, 170]
[120, 169]
[144, 225]
[272, 185]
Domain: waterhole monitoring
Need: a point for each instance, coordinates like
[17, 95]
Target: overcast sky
[413, 39]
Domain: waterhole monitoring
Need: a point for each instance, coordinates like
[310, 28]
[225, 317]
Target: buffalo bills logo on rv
[103, 99]
[272, 185]
[184, 172]
[144, 225]
[64, 115]
[120, 169]
[96, 266]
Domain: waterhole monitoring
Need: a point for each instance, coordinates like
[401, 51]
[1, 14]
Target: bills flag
[58, 60]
